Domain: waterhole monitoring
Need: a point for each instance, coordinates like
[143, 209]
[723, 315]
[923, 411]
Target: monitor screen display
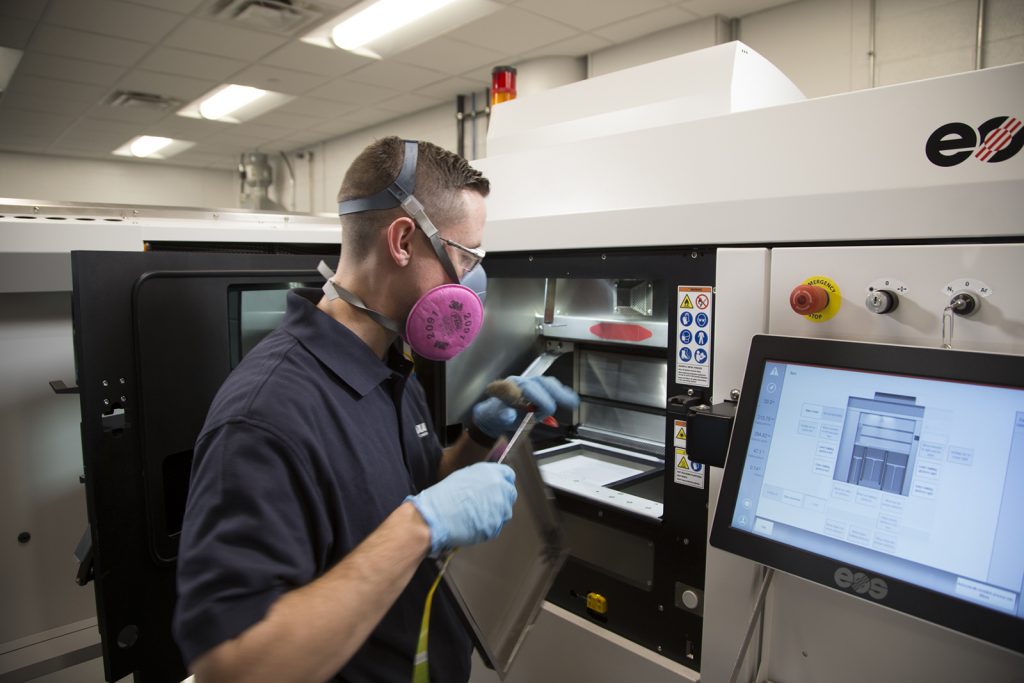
[890, 472]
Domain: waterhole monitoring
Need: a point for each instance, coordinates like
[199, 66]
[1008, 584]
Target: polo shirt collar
[336, 346]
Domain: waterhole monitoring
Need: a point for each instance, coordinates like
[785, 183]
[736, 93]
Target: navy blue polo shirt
[309, 445]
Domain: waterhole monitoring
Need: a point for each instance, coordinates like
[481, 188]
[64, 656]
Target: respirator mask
[446, 319]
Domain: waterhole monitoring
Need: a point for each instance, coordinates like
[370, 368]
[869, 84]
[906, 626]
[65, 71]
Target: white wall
[30, 176]
[667, 43]
[822, 45]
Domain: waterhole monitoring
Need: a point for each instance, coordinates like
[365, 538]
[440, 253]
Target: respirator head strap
[332, 290]
[394, 194]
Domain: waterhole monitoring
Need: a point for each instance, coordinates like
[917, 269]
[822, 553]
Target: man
[317, 490]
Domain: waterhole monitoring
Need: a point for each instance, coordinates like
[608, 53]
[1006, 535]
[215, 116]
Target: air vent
[284, 17]
[141, 100]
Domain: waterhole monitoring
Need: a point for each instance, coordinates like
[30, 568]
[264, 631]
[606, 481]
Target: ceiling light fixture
[379, 18]
[152, 147]
[233, 103]
[9, 58]
[380, 28]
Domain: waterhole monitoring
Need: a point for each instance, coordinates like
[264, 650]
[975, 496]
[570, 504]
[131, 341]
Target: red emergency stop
[807, 299]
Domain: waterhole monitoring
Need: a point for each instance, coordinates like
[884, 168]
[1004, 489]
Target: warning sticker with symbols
[687, 472]
[693, 343]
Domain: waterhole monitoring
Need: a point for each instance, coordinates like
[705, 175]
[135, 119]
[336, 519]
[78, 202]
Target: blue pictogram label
[701, 356]
[702, 337]
[686, 336]
[687, 318]
[702, 320]
[685, 354]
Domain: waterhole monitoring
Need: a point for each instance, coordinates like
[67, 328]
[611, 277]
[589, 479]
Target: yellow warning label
[681, 434]
[686, 302]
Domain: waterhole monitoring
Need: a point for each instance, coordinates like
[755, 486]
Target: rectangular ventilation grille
[284, 17]
[141, 100]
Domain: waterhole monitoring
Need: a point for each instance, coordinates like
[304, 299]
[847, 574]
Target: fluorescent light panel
[9, 58]
[233, 103]
[152, 147]
[380, 28]
[380, 18]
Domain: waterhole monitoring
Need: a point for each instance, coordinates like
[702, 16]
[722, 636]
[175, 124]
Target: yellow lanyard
[421, 669]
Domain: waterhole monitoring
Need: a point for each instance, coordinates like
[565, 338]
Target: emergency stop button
[817, 298]
[807, 299]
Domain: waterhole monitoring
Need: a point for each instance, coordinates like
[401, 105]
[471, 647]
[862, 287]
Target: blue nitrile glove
[495, 416]
[468, 506]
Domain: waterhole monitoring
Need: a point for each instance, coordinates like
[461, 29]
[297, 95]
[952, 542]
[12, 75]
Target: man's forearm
[312, 632]
[462, 453]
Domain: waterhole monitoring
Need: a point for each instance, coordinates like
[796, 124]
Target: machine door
[156, 333]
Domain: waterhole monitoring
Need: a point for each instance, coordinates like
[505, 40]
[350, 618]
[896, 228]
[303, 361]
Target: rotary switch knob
[882, 301]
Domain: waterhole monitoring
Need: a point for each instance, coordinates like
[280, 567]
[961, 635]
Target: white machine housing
[772, 188]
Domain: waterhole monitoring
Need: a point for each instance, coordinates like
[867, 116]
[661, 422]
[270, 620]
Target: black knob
[24, 537]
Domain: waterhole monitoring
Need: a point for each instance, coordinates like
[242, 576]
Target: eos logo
[952, 143]
[861, 583]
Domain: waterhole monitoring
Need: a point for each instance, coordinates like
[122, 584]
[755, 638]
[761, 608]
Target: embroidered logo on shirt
[421, 429]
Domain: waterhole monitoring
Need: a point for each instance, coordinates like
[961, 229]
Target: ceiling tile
[278, 80]
[408, 103]
[588, 14]
[29, 10]
[302, 139]
[577, 46]
[310, 106]
[257, 129]
[645, 24]
[179, 6]
[184, 63]
[62, 68]
[15, 33]
[451, 87]
[350, 92]
[50, 104]
[450, 56]
[65, 42]
[317, 60]
[728, 8]
[355, 121]
[512, 31]
[104, 126]
[222, 39]
[184, 128]
[176, 87]
[291, 122]
[395, 76]
[34, 122]
[140, 115]
[110, 18]
[47, 87]
[85, 139]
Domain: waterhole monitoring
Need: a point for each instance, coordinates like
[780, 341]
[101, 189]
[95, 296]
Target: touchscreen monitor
[892, 473]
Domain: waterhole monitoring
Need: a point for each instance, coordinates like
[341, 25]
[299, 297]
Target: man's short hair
[440, 177]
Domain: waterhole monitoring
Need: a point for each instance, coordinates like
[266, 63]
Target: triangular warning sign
[681, 434]
[682, 464]
[774, 372]
[686, 302]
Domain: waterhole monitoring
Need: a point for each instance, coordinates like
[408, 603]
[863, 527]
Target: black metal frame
[651, 617]
[152, 347]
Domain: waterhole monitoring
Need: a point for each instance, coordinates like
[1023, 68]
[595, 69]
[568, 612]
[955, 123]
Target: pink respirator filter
[444, 322]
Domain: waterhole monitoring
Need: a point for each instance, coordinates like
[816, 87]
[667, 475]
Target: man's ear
[399, 237]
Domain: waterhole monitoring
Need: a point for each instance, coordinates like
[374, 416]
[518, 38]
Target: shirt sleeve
[249, 534]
